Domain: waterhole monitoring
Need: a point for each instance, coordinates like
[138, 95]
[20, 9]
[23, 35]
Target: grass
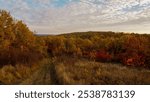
[15, 74]
[73, 71]
[90, 72]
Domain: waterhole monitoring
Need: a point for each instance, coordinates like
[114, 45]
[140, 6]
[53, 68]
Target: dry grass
[90, 72]
[15, 74]
[68, 71]
[40, 74]
[43, 75]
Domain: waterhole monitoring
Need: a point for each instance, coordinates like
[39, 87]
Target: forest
[80, 58]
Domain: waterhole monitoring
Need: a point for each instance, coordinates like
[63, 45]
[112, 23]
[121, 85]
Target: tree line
[127, 48]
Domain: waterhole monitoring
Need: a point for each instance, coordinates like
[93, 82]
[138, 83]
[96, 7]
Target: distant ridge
[102, 32]
[43, 34]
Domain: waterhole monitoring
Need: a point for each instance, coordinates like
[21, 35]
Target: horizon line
[86, 31]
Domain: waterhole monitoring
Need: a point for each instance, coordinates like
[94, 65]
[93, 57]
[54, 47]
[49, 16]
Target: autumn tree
[17, 42]
[7, 24]
[24, 37]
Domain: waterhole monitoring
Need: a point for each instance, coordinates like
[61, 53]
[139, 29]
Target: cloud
[57, 16]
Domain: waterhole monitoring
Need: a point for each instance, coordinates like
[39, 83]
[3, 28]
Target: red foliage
[132, 59]
[103, 56]
[129, 61]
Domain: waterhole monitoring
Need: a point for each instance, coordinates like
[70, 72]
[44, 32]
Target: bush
[103, 56]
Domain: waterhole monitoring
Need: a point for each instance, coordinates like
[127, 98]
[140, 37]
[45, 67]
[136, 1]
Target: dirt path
[43, 76]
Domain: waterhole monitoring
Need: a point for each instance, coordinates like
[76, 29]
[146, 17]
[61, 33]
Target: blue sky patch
[60, 3]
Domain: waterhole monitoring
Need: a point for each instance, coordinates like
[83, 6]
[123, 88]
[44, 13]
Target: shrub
[103, 56]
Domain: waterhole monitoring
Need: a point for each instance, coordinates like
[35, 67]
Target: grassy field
[74, 71]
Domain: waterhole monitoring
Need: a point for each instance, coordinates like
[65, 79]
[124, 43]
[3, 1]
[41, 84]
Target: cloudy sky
[60, 16]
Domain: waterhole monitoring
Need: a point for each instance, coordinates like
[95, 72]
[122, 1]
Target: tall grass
[43, 75]
[15, 74]
[90, 72]
[68, 71]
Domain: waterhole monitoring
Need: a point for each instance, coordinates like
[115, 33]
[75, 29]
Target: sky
[63, 16]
